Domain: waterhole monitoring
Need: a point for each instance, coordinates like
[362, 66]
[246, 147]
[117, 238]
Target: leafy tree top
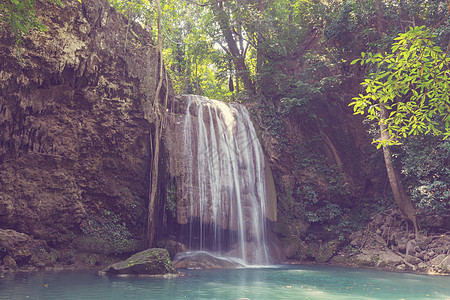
[412, 82]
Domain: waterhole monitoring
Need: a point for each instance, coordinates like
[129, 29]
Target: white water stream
[223, 180]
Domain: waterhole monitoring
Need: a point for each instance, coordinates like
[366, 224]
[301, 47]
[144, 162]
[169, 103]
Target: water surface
[286, 282]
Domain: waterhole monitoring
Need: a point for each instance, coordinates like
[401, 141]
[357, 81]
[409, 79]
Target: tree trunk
[159, 125]
[405, 204]
[238, 57]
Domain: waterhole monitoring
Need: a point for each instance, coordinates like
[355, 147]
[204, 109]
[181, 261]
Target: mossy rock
[155, 261]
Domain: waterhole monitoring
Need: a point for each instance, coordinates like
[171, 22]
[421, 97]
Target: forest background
[289, 58]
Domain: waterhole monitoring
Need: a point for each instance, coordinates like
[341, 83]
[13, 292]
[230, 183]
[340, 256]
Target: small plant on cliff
[110, 232]
[19, 16]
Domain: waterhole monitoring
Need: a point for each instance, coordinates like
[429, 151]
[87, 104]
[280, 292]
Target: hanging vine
[159, 125]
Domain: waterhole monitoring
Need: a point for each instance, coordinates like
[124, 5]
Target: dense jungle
[349, 101]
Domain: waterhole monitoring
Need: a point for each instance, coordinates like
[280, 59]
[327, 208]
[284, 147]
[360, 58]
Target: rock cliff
[75, 131]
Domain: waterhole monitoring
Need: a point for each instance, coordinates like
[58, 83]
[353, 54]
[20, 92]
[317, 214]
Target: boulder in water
[205, 261]
[153, 261]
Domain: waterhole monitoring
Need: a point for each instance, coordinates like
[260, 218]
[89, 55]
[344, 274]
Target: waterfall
[222, 181]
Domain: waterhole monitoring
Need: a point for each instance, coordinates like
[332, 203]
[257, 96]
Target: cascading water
[222, 181]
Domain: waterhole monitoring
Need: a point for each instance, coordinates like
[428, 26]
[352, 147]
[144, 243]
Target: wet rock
[204, 261]
[153, 261]
[174, 247]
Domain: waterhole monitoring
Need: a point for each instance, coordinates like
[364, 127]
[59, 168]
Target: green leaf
[22, 28]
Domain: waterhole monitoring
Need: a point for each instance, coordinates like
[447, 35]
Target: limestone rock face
[75, 123]
[155, 261]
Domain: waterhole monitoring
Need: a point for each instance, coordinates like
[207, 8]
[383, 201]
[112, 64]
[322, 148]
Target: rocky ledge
[385, 244]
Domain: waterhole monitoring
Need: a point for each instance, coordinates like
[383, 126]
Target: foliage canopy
[412, 82]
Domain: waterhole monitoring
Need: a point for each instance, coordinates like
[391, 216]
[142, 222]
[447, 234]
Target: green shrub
[106, 234]
[424, 163]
